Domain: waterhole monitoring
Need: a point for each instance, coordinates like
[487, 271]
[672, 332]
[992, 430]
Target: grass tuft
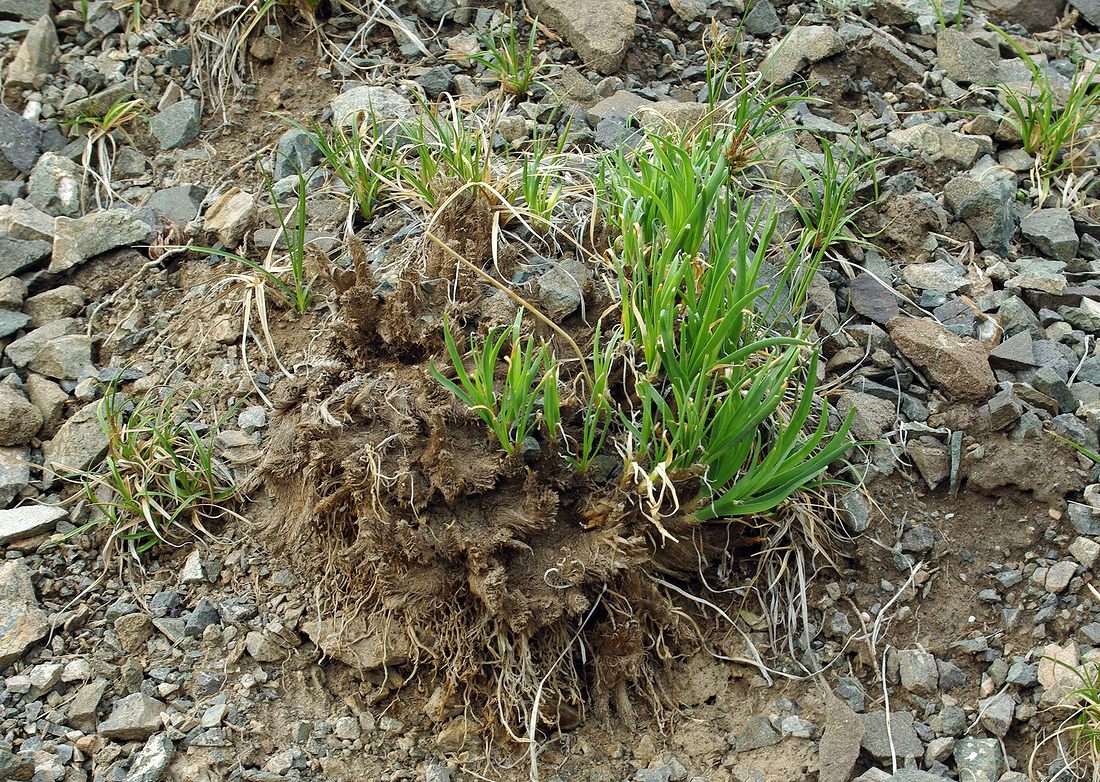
[161, 481]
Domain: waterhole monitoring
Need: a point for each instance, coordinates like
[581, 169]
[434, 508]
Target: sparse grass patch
[161, 480]
[511, 61]
[100, 146]
[1057, 132]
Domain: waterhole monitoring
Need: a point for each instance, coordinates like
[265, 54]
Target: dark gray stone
[1015, 353]
[20, 144]
[877, 740]
[436, 81]
[762, 20]
[979, 760]
[757, 733]
[1052, 231]
[295, 153]
[871, 299]
[177, 125]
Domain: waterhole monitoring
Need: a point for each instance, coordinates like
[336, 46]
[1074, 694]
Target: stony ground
[962, 338]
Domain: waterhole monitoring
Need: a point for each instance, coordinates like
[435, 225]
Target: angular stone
[27, 521]
[151, 762]
[15, 473]
[600, 30]
[918, 671]
[81, 711]
[979, 760]
[933, 462]
[936, 143]
[64, 357]
[79, 443]
[231, 217]
[19, 419]
[757, 734]
[56, 185]
[762, 19]
[873, 416]
[177, 125]
[1015, 353]
[958, 366]
[901, 738]
[20, 144]
[1035, 15]
[23, 220]
[38, 55]
[1053, 233]
[133, 718]
[871, 299]
[22, 622]
[27, 10]
[964, 60]
[23, 350]
[63, 301]
[619, 105]
[840, 742]
[938, 276]
[50, 400]
[901, 13]
[997, 713]
[133, 630]
[801, 47]
[180, 204]
[78, 240]
[987, 207]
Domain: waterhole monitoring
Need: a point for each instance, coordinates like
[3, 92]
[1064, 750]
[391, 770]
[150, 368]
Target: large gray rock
[23, 350]
[22, 622]
[38, 55]
[801, 47]
[27, 10]
[901, 13]
[28, 521]
[365, 104]
[54, 304]
[177, 125]
[20, 144]
[133, 718]
[937, 143]
[18, 254]
[600, 30]
[77, 445]
[1052, 231]
[56, 185]
[22, 220]
[1035, 15]
[966, 61]
[19, 419]
[840, 742]
[918, 671]
[152, 760]
[78, 240]
[1090, 9]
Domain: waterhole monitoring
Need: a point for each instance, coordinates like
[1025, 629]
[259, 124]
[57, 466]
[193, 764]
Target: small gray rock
[177, 125]
[22, 622]
[20, 143]
[901, 738]
[78, 240]
[180, 204]
[1052, 231]
[27, 521]
[56, 185]
[979, 760]
[19, 419]
[918, 670]
[757, 733]
[17, 254]
[78, 444]
[151, 762]
[295, 153]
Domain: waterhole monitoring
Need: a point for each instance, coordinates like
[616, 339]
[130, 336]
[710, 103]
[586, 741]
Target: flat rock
[987, 207]
[22, 622]
[937, 143]
[23, 220]
[23, 350]
[621, 104]
[180, 204]
[901, 738]
[27, 10]
[20, 144]
[1035, 15]
[64, 301]
[801, 47]
[78, 444]
[965, 60]
[1015, 353]
[366, 104]
[133, 718]
[901, 13]
[958, 366]
[939, 276]
[757, 734]
[600, 30]
[871, 299]
[918, 671]
[19, 419]
[78, 240]
[28, 521]
[841, 741]
[83, 708]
